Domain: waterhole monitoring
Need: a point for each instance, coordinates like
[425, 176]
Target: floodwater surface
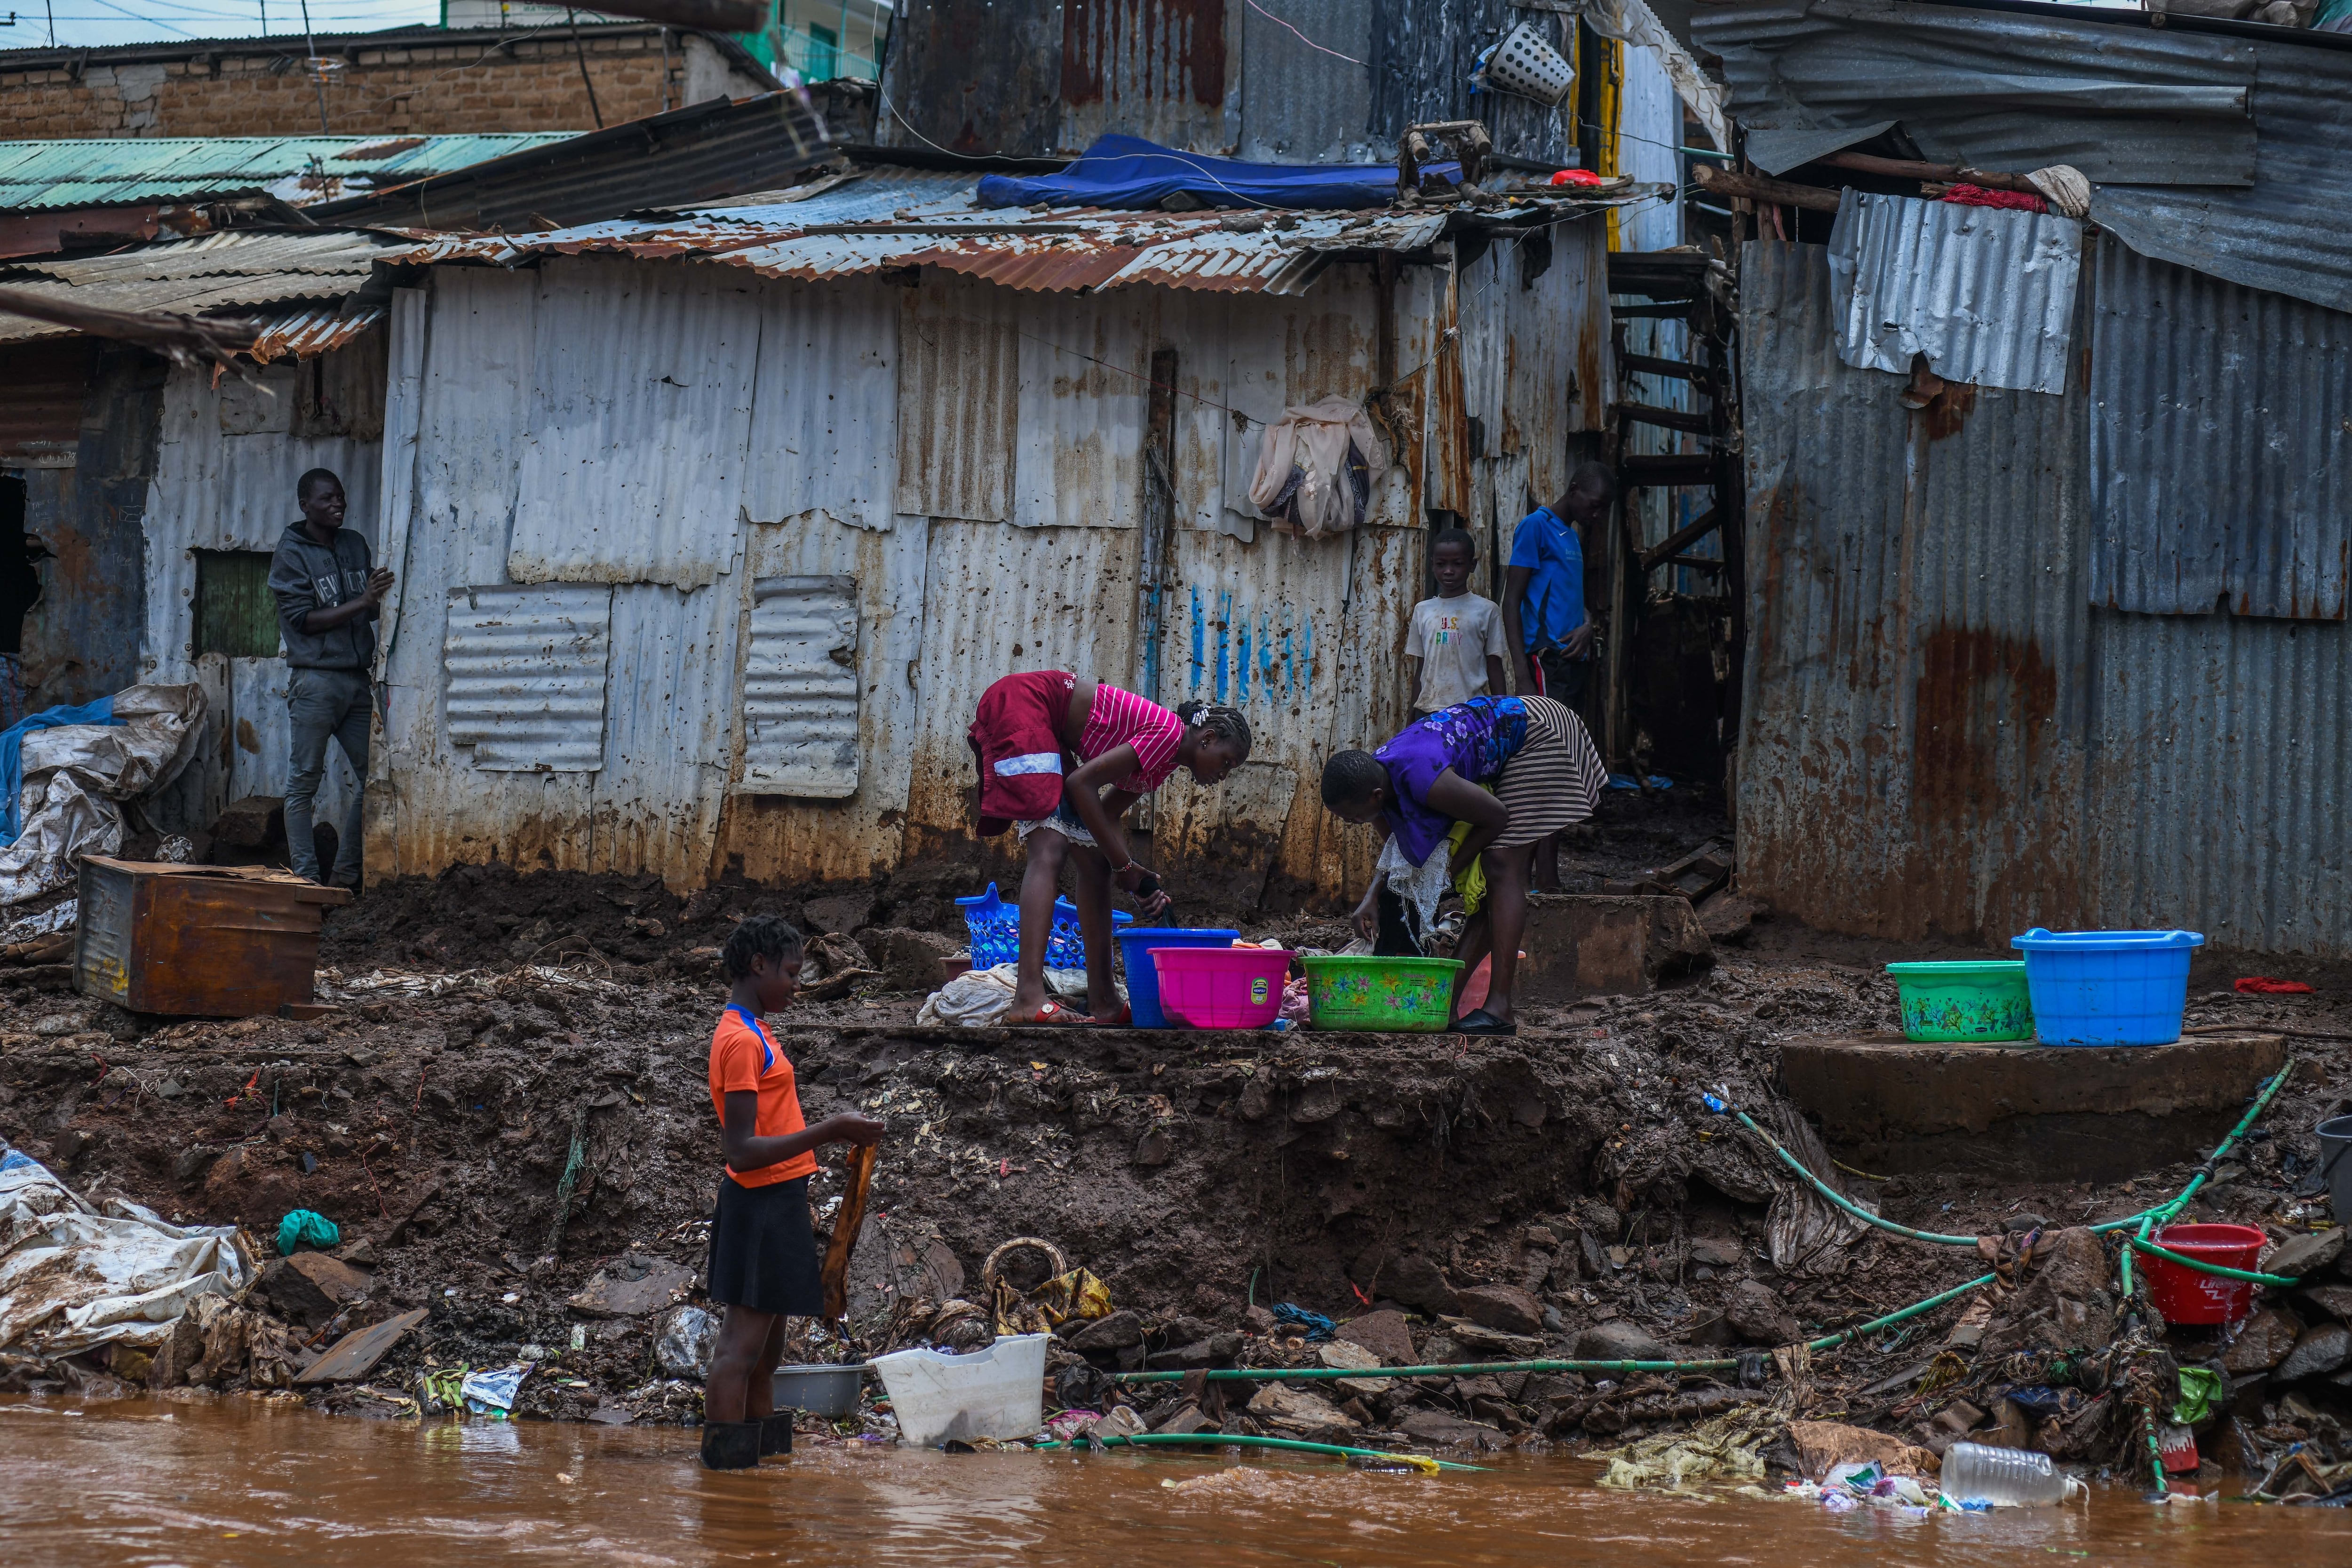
[142, 1481]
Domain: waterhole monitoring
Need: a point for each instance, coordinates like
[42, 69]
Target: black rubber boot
[776, 1433]
[730, 1445]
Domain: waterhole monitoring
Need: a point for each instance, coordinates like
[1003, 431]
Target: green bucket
[1409, 996]
[1976, 999]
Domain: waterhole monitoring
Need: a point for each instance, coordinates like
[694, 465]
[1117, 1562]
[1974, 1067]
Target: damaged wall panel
[800, 688]
[959, 399]
[825, 403]
[1159, 69]
[523, 672]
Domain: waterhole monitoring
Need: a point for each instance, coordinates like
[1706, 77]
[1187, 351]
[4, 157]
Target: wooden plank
[355, 1355]
[1671, 418]
[1670, 469]
[1757, 188]
[1681, 538]
[1951, 174]
[1650, 364]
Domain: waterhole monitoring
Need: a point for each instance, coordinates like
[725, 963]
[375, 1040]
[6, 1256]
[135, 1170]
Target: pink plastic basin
[2187, 1296]
[1221, 987]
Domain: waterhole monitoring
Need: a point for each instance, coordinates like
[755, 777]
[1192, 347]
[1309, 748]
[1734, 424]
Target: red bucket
[2185, 1296]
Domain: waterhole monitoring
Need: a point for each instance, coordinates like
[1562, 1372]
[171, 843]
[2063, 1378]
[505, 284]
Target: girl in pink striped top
[1062, 760]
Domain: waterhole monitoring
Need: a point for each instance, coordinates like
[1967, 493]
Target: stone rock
[1759, 1317]
[1504, 1307]
[1821, 1446]
[254, 822]
[1216, 1350]
[1475, 1341]
[68, 1147]
[182, 1349]
[1383, 1333]
[1185, 1330]
[838, 913]
[1619, 1342]
[2332, 1300]
[1155, 1148]
[1258, 1321]
[1186, 1421]
[1119, 1330]
[2317, 1351]
[1582, 944]
[1294, 1410]
[1257, 1099]
[909, 959]
[1417, 1282]
[1717, 1251]
[2063, 1304]
[2262, 1342]
[632, 1287]
[1440, 1430]
[1317, 1101]
[2305, 1254]
[1958, 1418]
[1725, 916]
[1340, 1354]
[360, 1254]
[311, 1287]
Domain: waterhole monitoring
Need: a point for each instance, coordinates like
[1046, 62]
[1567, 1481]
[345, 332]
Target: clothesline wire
[1302, 38]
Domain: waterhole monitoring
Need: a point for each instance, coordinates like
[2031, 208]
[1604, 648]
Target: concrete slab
[2078, 1113]
[1587, 944]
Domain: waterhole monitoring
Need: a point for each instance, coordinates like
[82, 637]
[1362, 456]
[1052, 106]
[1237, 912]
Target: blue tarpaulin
[12, 755]
[1130, 173]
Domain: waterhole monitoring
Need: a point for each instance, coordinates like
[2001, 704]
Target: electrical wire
[1302, 38]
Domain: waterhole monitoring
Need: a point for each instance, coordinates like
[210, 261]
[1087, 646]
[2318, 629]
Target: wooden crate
[224, 942]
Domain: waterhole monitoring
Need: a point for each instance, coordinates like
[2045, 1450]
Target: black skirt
[763, 1251]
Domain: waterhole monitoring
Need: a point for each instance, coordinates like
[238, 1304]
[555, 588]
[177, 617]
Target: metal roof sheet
[832, 236]
[309, 333]
[296, 170]
[218, 271]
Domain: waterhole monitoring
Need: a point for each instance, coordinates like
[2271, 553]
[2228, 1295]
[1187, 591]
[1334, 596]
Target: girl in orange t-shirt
[763, 1261]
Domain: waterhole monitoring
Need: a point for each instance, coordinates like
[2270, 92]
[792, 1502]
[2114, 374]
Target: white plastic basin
[996, 1393]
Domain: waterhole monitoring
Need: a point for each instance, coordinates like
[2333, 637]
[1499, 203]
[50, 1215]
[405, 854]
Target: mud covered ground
[510, 1105]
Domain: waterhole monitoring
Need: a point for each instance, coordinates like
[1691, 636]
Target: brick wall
[477, 84]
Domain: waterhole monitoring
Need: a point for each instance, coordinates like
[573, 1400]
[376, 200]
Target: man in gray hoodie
[328, 594]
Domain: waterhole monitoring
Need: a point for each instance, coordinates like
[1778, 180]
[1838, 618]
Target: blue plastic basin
[2108, 987]
[1135, 946]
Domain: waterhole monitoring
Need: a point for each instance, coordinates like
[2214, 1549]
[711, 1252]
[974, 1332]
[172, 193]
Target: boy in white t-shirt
[1456, 641]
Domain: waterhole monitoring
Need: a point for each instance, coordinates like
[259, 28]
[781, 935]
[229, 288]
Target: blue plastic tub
[1135, 946]
[994, 928]
[2108, 987]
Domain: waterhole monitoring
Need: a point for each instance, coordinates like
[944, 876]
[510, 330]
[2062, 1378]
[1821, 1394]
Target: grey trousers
[319, 703]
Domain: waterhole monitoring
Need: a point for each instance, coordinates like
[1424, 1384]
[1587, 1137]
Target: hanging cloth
[1315, 472]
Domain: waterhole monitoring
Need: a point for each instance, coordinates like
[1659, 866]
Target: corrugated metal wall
[217, 491]
[2220, 438]
[1943, 735]
[1303, 635]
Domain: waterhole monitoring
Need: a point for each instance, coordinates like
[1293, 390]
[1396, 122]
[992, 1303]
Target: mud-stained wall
[971, 465]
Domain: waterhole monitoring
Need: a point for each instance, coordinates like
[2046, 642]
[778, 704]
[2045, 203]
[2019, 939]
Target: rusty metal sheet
[1160, 69]
[800, 688]
[307, 334]
[1920, 675]
[973, 79]
[298, 170]
[959, 385]
[2220, 428]
[523, 672]
[214, 273]
[211, 940]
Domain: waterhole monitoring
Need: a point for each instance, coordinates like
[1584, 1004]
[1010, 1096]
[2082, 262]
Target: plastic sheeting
[1129, 173]
[73, 1277]
[75, 775]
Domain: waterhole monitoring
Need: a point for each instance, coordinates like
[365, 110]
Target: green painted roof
[297, 170]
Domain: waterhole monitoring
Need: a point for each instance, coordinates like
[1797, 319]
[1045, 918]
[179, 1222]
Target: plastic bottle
[2003, 1477]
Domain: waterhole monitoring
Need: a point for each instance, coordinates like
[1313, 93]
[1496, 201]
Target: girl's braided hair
[1224, 723]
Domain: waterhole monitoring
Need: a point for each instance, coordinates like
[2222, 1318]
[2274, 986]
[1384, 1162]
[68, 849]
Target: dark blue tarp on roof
[1129, 171]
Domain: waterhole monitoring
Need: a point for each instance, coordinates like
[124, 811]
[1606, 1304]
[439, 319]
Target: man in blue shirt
[1545, 613]
[1546, 619]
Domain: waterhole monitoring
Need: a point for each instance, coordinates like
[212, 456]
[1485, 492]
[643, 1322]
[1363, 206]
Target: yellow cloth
[1472, 881]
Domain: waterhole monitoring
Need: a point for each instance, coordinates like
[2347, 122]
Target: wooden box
[224, 942]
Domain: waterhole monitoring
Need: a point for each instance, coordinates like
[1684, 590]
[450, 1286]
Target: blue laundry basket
[2108, 987]
[994, 928]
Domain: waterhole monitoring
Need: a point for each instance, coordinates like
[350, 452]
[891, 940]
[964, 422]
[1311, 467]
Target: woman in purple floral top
[1516, 769]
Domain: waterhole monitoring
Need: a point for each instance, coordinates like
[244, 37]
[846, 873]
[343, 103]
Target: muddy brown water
[140, 1482]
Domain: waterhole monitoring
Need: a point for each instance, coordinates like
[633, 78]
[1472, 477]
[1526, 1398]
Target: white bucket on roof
[1523, 63]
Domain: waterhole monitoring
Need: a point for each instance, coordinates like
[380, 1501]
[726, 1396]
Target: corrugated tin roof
[216, 272]
[904, 219]
[307, 334]
[2155, 118]
[296, 170]
[1986, 293]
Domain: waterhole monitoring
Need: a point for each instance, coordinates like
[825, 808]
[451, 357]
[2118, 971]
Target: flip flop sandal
[1052, 1014]
[1120, 1017]
[1484, 1022]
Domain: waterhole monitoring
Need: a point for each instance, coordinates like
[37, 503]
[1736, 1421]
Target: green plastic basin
[1974, 999]
[1395, 995]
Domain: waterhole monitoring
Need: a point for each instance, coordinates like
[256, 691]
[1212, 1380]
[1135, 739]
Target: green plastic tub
[1977, 999]
[1394, 995]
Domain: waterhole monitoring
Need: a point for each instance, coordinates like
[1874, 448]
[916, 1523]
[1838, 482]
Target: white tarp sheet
[76, 774]
[72, 1277]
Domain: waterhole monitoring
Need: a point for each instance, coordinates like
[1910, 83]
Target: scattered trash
[1314, 1326]
[973, 1000]
[1728, 1447]
[2003, 1478]
[2202, 1390]
[1066, 1293]
[2264, 985]
[303, 1228]
[491, 1390]
[66, 771]
[999, 1392]
[682, 1346]
[57, 918]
